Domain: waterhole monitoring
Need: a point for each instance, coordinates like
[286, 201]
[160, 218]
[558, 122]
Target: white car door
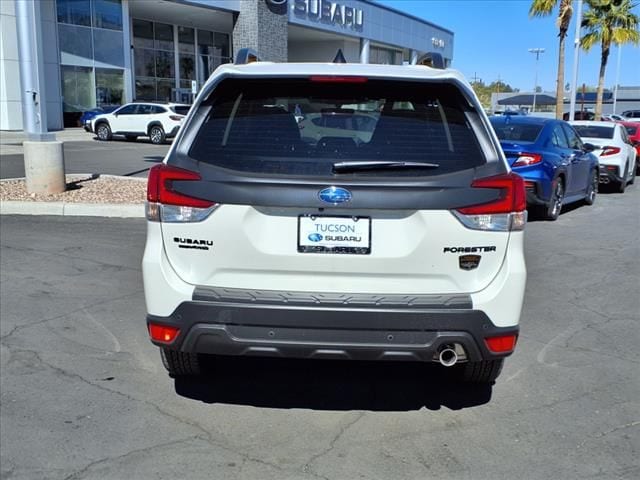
[122, 118]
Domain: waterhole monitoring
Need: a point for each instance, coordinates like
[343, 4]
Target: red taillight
[337, 79]
[609, 151]
[502, 344]
[163, 333]
[512, 198]
[176, 118]
[160, 187]
[526, 159]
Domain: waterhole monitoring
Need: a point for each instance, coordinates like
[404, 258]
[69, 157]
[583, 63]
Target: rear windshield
[631, 131]
[594, 131]
[303, 127]
[180, 109]
[522, 133]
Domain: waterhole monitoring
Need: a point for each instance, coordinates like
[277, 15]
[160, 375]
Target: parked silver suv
[400, 239]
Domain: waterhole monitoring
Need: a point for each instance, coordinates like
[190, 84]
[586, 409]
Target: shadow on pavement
[330, 385]
[154, 158]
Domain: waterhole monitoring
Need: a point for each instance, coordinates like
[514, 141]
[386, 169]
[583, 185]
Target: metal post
[576, 57]
[34, 111]
[43, 155]
[414, 57]
[537, 52]
[365, 46]
[615, 89]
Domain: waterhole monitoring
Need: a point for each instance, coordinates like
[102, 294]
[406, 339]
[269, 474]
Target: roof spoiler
[246, 55]
[431, 59]
[339, 58]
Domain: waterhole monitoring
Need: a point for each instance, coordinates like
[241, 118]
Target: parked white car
[616, 153]
[156, 121]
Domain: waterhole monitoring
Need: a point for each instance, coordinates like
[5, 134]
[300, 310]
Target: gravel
[81, 189]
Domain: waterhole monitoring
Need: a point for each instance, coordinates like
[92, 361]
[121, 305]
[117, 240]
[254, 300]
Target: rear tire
[622, 186]
[156, 134]
[180, 363]
[592, 189]
[552, 210]
[485, 371]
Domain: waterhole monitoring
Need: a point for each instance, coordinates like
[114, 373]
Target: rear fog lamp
[502, 344]
[163, 333]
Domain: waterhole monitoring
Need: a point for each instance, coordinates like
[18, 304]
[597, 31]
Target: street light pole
[615, 89]
[537, 52]
[576, 56]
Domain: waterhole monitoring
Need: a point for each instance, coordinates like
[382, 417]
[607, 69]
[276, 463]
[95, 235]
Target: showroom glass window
[154, 60]
[90, 33]
[186, 51]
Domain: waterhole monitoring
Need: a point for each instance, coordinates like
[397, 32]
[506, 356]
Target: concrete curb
[119, 210]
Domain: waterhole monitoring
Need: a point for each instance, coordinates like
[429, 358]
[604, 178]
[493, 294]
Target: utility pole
[537, 52]
[43, 155]
[615, 89]
[576, 57]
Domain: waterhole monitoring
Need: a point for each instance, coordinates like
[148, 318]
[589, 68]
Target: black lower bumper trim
[359, 333]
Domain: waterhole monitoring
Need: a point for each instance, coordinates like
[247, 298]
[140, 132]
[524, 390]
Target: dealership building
[92, 53]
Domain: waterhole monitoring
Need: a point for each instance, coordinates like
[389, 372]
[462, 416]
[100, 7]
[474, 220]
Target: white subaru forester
[395, 238]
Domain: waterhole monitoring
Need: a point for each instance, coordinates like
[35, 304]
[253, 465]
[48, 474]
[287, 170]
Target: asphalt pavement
[117, 157]
[84, 395]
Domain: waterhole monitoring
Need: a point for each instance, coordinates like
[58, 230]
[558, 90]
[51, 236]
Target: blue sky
[492, 38]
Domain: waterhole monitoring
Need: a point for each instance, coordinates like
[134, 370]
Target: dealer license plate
[319, 234]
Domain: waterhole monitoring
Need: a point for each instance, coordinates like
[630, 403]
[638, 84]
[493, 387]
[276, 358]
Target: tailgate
[410, 252]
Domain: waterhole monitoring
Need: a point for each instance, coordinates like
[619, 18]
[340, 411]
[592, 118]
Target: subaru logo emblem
[315, 237]
[334, 195]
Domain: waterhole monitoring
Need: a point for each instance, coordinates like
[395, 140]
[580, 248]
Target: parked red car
[633, 130]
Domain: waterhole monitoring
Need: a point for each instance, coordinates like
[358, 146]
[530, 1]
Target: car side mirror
[589, 147]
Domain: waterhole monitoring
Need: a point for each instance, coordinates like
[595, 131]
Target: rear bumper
[534, 193]
[357, 327]
[173, 132]
[609, 174]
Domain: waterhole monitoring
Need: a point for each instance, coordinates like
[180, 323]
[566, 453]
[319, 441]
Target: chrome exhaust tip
[448, 356]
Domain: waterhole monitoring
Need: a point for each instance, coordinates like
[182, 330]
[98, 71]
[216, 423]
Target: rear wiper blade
[357, 165]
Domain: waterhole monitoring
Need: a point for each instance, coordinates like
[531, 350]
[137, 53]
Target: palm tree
[542, 8]
[607, 22]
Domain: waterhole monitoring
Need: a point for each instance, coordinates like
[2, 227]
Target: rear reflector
[503, 344]
[176, 118]
[337, 79]
[163, 333]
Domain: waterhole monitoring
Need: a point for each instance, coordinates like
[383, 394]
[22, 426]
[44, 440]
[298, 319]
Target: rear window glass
[519, 133]
[180, 110]
[303, 127]
[631, 131]
[594, 131]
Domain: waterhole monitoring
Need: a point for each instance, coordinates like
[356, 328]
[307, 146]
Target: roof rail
[246, 55]
[431, 59]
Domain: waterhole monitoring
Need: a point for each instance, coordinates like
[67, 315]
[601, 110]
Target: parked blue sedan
[87, 116]
[557, 167]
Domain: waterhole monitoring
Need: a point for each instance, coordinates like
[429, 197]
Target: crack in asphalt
[19, 328]
[80, 473]
[306, 468]
[608, 432]
[208, 437]
[70, 257]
